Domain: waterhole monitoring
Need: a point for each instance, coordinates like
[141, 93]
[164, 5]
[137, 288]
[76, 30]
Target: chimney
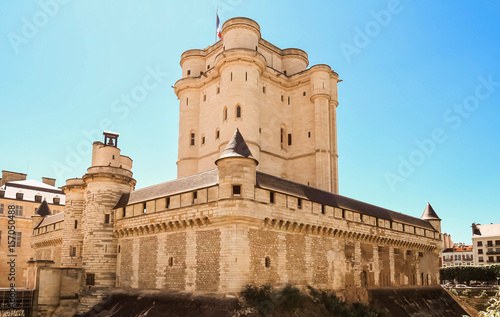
[8, 176]
[49, 181]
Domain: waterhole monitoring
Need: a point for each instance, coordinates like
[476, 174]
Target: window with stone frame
[19, 235]
[90, 279]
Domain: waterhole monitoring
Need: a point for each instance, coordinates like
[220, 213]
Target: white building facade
[486, 243]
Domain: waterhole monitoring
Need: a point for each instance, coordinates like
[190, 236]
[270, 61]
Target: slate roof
[44, 209]
[185, 184]
[429, 213]
[49, 220]
[237, 147]
[326, 198]
[267, 181]
[491, 230]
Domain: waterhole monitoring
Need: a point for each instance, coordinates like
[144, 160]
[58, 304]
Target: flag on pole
[217, 30]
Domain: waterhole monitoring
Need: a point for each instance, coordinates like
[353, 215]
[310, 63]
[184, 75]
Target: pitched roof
[237, 147]
[44, 209]
[491, 230]
[185, 184]
[31, 188]
[267, 181]
[429, 213]
[49, 220]
[326, 198]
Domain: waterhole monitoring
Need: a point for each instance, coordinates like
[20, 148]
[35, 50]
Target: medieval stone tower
[89, 219]
[286, 112]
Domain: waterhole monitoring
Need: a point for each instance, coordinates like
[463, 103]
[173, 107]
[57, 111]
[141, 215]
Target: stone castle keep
[256, 199]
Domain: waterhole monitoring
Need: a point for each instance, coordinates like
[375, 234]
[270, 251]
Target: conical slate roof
[429, 213]
[43, 210]
[237, 147]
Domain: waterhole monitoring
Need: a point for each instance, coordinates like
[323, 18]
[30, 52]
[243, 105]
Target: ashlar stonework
[254, 210]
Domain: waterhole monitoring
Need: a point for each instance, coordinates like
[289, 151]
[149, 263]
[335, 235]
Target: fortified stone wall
[219, 246]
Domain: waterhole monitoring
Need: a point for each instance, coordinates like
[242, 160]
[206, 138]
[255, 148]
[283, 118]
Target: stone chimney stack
[8, 176]
[49, 181]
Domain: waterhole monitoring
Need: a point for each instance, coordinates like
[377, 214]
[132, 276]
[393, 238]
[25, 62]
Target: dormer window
[19, 195]
[38, 198]
[56, 200]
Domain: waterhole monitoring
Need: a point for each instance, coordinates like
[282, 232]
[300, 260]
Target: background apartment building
[486, 242]
[26, 197]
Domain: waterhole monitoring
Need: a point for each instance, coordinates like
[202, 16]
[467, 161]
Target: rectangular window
[480, 243]
[72, 251]
[1, 209]
[204, 98]
[271, 197]
[189, 72]
[282, 98]
[236, 190]
[309, 134]
[264, 89]
[90, 280]
[124, 212]
[106, 218]
[144, 209]
[0, 237]
[490, 243]
[18, 212]
[192, 139]
[299, 203]
[396, 251]
[480, 259]
[218, 90]
[289, 139]
[420, 254]
[288, 100]
[187, 101]
[18, 239]
[497, 242]
[76, 224]
[408, 252]
[195, 197]
[490, 259]
[168, 202]
[479, 251]
[323, 210]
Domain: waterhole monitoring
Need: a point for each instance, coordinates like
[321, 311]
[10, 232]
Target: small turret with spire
[237, 169]
[431, 216]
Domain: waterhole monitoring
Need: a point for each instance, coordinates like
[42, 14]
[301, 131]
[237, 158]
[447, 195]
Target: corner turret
[237, 169]
[431, 216]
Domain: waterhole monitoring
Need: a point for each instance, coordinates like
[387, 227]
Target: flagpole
[216, 15]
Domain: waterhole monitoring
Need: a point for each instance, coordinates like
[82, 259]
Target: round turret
[294, 61]
[193, 63]
[240, 33]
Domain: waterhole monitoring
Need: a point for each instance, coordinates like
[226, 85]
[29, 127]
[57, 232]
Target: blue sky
[419, 101]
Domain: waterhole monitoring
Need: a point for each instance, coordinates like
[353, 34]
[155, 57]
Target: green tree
[493, 310]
